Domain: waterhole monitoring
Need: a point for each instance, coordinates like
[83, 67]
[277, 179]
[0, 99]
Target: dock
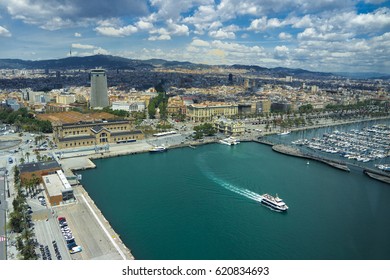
[291, 151]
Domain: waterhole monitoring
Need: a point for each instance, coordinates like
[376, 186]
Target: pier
[291, 151]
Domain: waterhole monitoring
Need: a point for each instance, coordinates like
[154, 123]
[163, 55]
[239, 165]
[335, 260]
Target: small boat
[284, 133]
[275, 203]
[384, 167]
[308, 163]
[229, 141]
[158, 149]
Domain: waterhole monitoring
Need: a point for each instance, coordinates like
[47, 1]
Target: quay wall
[287, 150]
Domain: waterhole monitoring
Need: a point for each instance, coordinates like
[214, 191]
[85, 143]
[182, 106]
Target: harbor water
[203, 203]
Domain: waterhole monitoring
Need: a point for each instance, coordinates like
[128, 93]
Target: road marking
[104, 229]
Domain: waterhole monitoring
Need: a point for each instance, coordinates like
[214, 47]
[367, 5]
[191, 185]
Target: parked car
[75, 249]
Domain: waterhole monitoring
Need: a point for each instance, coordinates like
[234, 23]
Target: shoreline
[123, 152]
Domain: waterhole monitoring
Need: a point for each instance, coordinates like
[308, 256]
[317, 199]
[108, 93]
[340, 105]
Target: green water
[203, 204]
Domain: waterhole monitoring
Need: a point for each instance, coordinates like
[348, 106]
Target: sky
[323, 35]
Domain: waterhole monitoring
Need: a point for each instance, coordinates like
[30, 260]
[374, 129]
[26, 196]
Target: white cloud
[89, 50]
[378, 20]
[162, 37]
[263, 23]
[200, 43]
[284, 36]
[222, 34]
[58, 14]
[171, 29]
[112, 22]
[4, 32]
[177, 29]
[144, 25]
[81, 46]
[172, 9]
[281, 51]
[313, 34]
[116, 31]
[376, 2]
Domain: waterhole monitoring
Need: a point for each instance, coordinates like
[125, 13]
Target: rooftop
[38, 166]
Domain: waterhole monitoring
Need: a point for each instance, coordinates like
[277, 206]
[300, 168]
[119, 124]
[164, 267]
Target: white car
[75, 249]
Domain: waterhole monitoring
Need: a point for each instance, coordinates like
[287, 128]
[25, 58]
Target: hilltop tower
[99, 95]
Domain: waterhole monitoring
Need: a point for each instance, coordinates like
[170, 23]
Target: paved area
[91, 230]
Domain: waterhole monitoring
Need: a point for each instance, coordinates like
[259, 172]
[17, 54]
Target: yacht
[158, 149]
[230, 141]
[284, 133]
[274, 202]
[384, 167]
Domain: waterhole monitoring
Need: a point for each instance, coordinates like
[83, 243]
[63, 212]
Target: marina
[364, 145]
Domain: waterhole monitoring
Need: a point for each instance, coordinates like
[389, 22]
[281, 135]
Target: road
[3, 209]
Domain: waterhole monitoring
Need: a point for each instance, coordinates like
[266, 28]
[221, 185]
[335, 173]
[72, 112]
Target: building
[129, 106]
[29, 171]
[263, 106]
[13, 104]
[94, 133]
[55, 107]
[176, 106]
[99, 94]
[281, 106]
[229, 127]
[244, 108]
[57, 188]
[66, 99]
[207, 111]
[38, 97]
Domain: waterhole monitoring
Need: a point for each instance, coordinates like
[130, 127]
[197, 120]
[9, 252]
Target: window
[103, 138]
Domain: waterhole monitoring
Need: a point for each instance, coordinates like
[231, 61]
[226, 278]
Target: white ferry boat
[229, 141]
[158, 149]
[274, 202]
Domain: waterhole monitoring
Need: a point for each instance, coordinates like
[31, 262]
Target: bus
[125, 141]
[164, 133]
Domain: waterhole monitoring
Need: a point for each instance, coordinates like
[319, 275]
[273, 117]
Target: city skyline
[327, 36]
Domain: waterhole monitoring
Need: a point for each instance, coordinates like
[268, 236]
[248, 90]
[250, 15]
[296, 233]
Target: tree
[151, 110]
[38, 155]
[28, 156]
[308, 108]
[206, 129]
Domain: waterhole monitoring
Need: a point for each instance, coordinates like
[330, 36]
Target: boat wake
[241, 191]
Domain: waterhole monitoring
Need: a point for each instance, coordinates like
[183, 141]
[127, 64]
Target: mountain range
[115, 62]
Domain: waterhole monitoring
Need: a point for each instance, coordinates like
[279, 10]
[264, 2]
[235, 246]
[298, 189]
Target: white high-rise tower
[99, 95]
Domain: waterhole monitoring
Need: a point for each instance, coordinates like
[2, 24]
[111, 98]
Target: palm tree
[28, 156]
[34, 182]
[37, 155]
